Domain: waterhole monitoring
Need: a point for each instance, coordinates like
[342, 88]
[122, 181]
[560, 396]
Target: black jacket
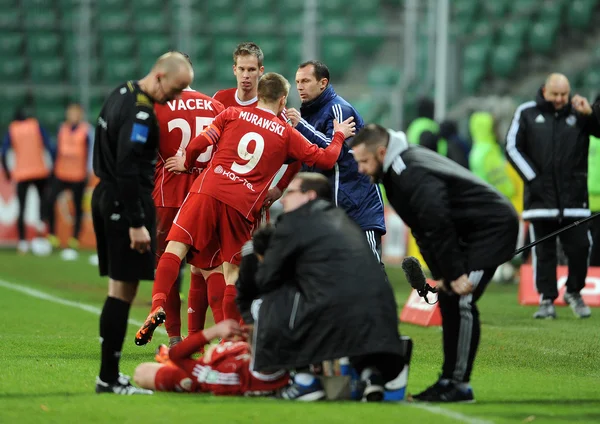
[126, 147]
[323, 294]
[549, 149]
[460, 223]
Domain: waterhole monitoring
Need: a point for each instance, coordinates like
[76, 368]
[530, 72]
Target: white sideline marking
[449, 414]
[59, 300]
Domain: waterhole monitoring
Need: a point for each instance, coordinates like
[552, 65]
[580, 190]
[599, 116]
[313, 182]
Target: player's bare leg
[230, 309]
[166, 274]
[215, 282]
[145, 374]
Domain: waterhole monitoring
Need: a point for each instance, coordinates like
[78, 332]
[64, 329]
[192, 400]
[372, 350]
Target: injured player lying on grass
[224, 369]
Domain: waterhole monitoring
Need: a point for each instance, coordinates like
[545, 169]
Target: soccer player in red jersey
[219, 213]
[248, 68]
[223, 370]
[181, 120]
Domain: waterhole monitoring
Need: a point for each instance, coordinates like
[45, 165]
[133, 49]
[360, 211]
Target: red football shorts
[215, 231]
[173, 379]
[164, 221]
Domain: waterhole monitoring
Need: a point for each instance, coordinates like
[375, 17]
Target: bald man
[125, 152]
[548, 143]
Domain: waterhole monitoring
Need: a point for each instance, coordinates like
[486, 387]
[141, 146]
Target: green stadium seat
[579, 14]
[495, 9]
[383, 76]
[471, 78]
[337, 53]
[74, 70]
[228, 24]
[293, 24]
[476, 54]
[200, 49]
[155, 45]
[11, 43]
[47, 95]
[148, 5]
[110, 5]
[542, 36]
[66, 5]
[552, 11]
[120, 70]
[180, 18]
[117, 45]
[591, 79]
[334, 25]
[13, 95]
[514, 32]
[203, 70]
[150, 21]
[113, 20]
[461, 26]
[331, 8]
[47, 70]
[290, 8]
[12, 69]
[43, 44]
[260, 23]
[260, 6]
[73, 44]
[34, 4]
[483, 31]
[271, 46]
[369, 29]
[50, 115]
[279, 66]
[40, 19]
[293, 52]
[223, 48]
[364, 9]
[524, 8]
[221, 7]
[465, 8]
[504, 60]
[10, 19]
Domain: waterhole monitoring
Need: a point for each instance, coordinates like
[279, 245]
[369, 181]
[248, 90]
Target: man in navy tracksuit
[352, 191]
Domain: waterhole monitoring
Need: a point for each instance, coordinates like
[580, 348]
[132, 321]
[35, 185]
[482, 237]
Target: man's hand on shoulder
[347, 127]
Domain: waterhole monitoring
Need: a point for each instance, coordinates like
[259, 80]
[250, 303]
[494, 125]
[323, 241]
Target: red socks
[230, 309]
[166, 274]
[216, 290]
[173, 310]
[197, 304]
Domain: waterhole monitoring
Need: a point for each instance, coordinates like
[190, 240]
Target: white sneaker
[120, 387]
[22, 247]
[578, 306]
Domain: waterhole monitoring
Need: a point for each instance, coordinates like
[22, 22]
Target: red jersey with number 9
[251, 145]
[181, 120]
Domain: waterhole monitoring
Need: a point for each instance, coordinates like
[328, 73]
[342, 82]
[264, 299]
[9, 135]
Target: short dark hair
[371, 135]
[312, 181]
[425, 108]
[249, 49]
[272, 87]
[320, 70]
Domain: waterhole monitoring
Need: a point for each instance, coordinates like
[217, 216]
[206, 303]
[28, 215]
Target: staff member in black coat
[125, 152]
[548, 143]
[464, 228]
[322, 295]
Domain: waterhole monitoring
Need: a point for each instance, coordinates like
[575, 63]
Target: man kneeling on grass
[224, 369]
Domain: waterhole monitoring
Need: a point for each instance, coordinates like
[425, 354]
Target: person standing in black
[548, 143]
[464, 228]
[125, 152]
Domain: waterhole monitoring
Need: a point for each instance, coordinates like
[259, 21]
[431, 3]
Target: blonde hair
[272, 87]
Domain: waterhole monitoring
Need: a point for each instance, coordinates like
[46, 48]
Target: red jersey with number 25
[181, 120]
[251, 146]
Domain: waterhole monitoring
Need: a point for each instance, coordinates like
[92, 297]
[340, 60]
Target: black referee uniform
[463, 226]
[125, 153]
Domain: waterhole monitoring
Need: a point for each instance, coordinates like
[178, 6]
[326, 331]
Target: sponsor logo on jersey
[219, 170]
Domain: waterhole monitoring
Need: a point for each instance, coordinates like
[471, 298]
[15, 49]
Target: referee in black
[464, 229]
[123, 213]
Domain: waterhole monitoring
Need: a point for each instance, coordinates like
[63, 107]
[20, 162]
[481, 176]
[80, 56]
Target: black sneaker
[433, 392]
[373, 387]
[456, 395]
[120, 387]
[302, 393]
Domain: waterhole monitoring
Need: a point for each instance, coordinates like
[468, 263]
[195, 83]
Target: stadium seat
[117, 45]
[471, 78]
[34, 4]
[331, 8]
[484, 32]
[552, 11]
[74, 71]
[147, 5]
[40, 19]
[12, 69]
[120, 70]
[223, 48]
[113, 20]
[260, 23]
[524, 8]
[495, 9]
[504, 60]
[10, 19]
[542, 36]
[43, 44]
[364, 9]
[11, 43]
[47, 95]
[227, 24]
[200, 50]
[514, 32]
[13, 95]
[260, 6]
[369, 29]
[154, 45]
[150, 21]
[203, 71]
[290, 9]
[223, 71]
[591, 79]
[73, 44]
[47, 70]
[579, 14]
[293, 52]
[461, 26]
[109, 5]
[50, 115]
[476, 53]
[465, 8]
[270, 46]
[337, 53]
[221, 7]
[383, 76]
[293, 24]
[334, 25]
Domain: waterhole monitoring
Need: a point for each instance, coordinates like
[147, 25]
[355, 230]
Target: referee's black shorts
[115, 258]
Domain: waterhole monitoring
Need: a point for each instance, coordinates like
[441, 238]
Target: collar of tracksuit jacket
[313, 106]
[396, 146]
[547, 106]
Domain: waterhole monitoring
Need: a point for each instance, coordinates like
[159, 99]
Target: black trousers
[22, 187]
[595, 232]
[576, 245]
[461, 327]
[78, 189]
